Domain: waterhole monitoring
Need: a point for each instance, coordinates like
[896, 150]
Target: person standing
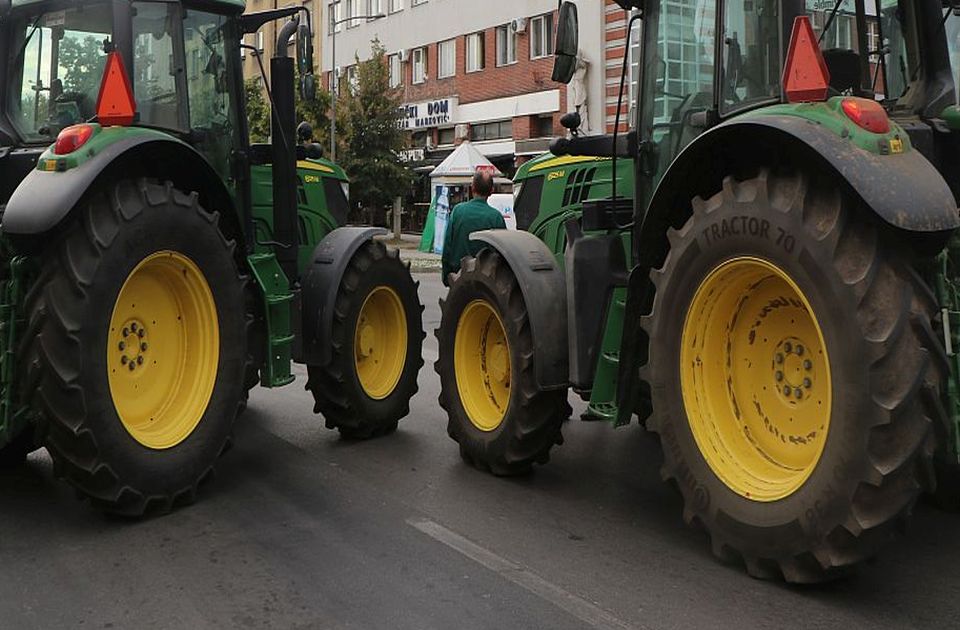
[466, 218]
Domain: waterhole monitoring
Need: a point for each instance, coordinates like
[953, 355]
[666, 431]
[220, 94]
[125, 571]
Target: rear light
[866, 114]
[72, 138]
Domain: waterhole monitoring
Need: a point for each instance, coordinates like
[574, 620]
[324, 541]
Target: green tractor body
[772, 291]
[155, 265]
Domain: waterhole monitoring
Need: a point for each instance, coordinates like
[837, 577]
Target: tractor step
[603, 396]
[277, 300]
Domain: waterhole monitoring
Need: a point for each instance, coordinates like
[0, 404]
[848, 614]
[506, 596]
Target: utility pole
[333, 76]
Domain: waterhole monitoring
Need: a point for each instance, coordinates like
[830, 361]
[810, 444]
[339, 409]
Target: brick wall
[615, 47]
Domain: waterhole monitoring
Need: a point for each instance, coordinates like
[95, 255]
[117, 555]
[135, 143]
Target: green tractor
[776, 297]
[155, 265]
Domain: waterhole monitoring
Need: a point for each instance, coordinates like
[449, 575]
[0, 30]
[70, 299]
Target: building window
[447, 59]
[447, 136]
[396, 5]
[493, 131]
[374, 7]
[541, 36]
[259, 41]
[335, 11]
[506, 45]
[243, 45]
[396, 71]
[475, 52]
[544, 128]
[352, 82]
[419, 65]
[353, 10]
[417, 2]
[419, 139]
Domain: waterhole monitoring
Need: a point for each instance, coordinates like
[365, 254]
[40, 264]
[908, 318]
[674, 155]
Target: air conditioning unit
[404, 55]
[518, 25]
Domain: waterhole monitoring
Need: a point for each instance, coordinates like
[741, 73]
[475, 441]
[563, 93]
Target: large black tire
[885, 369]
[337, 388]
[65, 356]
[531, 420]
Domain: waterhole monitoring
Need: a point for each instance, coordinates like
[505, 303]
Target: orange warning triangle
[805, 75]
[115, 104]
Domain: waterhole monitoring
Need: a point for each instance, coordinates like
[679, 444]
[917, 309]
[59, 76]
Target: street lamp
[333, 77]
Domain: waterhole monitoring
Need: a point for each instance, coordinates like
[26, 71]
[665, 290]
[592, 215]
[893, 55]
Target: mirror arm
[597, 146]
[251, 22]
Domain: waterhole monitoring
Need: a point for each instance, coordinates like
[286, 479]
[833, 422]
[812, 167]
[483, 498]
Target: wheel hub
[133, 345]
[380, 342]
[793, 371]
[482, 365]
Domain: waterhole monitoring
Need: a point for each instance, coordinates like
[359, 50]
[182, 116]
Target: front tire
[365, 389]
[502, 421]
[137, 364]
[794, 376]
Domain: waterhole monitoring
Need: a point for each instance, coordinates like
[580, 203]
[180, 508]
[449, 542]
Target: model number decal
[555, 175]
[748, 226]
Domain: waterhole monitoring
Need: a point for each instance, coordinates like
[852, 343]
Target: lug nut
[788, 347]
[807, 383]
[808, 364]
[132, 366]
[133, 326]
[123, 360]
[139, 360]
[143, 347]
[779, 375]
[799, 350]
[786, 390]
[123, 346]
[126, 331]
[798, 393]
[140, 333]
[779, 358]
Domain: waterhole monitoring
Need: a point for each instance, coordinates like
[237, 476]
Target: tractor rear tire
[365, 389]
[503, 423]
[792, 367]
[137, 364]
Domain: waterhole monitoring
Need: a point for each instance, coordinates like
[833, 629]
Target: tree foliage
[84, 61]
[370, 142]
[258, 111]
[314, 112]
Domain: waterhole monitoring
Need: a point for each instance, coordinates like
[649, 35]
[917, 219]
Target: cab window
[750, 72]
[156, 67]
[56, 66]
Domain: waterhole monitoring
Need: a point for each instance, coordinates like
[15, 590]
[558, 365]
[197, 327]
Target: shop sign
[428, 114]
[411, 155]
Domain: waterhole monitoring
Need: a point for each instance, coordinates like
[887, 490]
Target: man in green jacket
[469, 216]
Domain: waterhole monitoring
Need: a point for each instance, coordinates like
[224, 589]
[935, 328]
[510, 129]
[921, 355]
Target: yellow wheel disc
[481, 356]
[163, 350]
[380, 342]
[755, 378]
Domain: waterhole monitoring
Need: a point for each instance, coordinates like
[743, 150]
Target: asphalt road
[303, 530]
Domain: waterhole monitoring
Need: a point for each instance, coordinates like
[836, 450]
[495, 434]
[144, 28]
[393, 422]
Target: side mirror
[308, 87]
[304, 49]
[568, 43]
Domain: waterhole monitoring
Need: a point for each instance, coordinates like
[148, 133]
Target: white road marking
[575, 605]
[430, 354]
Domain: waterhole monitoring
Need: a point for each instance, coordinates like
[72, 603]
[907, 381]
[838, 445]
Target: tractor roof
[231, 5]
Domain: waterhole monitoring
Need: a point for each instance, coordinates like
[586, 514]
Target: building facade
[263, 42]
[476, 70]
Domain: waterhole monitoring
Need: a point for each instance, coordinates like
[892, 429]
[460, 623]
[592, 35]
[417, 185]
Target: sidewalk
[420, 262]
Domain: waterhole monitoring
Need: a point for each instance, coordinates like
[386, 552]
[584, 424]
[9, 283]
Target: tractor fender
[904, 190]
[44, 198]
[319, 285]
[544, 292]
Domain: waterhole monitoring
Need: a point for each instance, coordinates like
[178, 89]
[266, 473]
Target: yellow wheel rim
[482, 363]
[380, 342]
[755, 378]
[163, 350]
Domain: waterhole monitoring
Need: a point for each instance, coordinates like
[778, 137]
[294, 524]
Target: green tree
[371, 138]
[258, 111]
[83, 61]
